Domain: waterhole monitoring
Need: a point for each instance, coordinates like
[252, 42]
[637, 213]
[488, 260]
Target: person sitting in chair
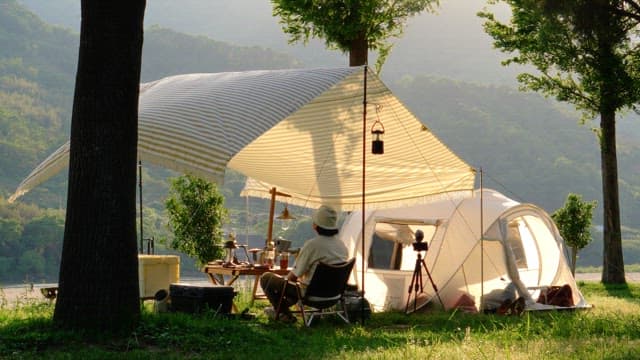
[325, 247]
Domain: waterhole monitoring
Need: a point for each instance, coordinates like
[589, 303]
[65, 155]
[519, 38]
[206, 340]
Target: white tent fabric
[300, 130]
[521, 246]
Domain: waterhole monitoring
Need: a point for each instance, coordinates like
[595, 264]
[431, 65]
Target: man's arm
[292, 277]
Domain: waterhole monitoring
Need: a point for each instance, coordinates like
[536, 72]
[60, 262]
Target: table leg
[255, 289]
[220, 281]
[212, 278]
[233, 279]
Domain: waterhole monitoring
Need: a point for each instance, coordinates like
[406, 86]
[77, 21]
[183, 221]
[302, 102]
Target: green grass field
[611, 330]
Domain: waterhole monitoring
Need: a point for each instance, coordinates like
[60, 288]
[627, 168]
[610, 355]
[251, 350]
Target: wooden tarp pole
[272, 208]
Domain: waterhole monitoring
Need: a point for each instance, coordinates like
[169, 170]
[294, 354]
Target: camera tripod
[417, 284]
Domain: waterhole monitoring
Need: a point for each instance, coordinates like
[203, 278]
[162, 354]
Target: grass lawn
[611, 330]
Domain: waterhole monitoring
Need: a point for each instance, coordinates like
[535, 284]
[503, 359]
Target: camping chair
[324, 292]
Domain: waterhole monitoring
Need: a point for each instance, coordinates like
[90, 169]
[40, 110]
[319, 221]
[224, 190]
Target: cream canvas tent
[521, 246]
[301, 130]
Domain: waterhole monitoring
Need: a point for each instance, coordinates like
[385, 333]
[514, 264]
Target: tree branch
[633, 14]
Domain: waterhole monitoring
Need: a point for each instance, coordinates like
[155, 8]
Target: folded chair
[325, 293]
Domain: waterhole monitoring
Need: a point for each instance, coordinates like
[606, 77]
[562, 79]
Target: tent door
[521, 239]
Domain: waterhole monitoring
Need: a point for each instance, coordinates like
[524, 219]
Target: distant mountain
[534, 147]
[167, 52]
[450, 43]
[36, 83]
[37, 74]
[528, 147]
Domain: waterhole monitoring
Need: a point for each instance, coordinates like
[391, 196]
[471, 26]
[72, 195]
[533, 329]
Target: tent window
[381, 253]
[522, 242]
[515, 242]
[392, 245]
[535, 225]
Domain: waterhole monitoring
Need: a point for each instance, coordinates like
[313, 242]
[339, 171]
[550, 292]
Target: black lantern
[377, 131]
[377, 145]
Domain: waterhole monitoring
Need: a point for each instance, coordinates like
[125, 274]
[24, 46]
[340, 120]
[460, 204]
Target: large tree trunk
[98, 283]
[359, 51]
[612, 260]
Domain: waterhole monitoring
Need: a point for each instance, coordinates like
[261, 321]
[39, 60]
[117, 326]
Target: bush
[196, 214]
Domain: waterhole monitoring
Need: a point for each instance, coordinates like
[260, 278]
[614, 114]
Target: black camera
[419, 245]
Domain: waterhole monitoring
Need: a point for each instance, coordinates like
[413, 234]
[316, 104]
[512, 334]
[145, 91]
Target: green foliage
[574, 221]
[586, 54]
[196, 216]
[37, 63]
[30, 243]
[341, 23]
[581, 49]
[528, 145]
[608, 331]
[37, 72]
[519, 140]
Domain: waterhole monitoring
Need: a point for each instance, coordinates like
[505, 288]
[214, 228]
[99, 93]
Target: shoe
[504, 308]
[287, 318]
[517, 308]
[270, 312]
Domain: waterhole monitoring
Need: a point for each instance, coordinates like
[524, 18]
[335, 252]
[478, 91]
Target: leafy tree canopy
[586, 54]
[581, 49]
[341, 23]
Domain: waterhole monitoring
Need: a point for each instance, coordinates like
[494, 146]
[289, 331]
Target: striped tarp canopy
[300, 130]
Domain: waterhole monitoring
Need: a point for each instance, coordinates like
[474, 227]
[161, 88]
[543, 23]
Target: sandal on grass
[287, 318]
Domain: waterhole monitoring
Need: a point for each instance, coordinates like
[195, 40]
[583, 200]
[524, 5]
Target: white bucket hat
[326, 217]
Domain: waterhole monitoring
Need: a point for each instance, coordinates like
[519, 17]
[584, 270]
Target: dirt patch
[27, 294]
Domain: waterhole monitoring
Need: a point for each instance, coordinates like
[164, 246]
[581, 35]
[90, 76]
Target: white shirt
[328, 249]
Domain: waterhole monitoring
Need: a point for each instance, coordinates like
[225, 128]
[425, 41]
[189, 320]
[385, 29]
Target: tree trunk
[612, 260]
[359, 51]
[98, 283]
[574, 257]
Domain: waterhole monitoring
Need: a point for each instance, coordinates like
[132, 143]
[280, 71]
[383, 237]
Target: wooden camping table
[220, 275]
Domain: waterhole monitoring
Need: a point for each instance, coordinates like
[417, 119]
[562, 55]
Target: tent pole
[271, 211]
[140, 196]
[247, 219]
[481, 244]
[364, 154]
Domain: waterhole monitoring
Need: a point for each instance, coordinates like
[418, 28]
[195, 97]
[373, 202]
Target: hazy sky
[450, 43]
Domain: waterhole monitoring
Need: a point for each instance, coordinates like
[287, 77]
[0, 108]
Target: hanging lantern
[377, 132]
[285, 218]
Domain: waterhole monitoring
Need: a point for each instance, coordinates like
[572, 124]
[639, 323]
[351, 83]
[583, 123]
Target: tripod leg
[433, 284]
[413, 279]
[416, 284]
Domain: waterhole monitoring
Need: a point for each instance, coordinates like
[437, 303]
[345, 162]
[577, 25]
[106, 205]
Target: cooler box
[194, 298]
[156, 272]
